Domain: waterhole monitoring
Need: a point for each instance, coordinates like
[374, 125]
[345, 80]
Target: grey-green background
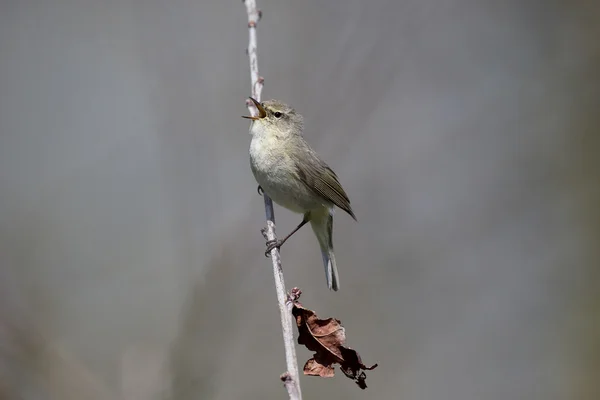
[466, 134]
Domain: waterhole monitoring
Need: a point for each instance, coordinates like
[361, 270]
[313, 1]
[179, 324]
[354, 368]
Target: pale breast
[276, 174]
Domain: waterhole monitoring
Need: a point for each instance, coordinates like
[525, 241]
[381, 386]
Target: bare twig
[290, 378]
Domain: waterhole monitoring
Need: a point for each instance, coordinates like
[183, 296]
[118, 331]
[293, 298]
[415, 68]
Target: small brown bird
[291, 173]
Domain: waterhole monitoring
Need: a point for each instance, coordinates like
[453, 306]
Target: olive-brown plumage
[291, 173]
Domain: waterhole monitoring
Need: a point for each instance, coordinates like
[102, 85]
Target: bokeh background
[466, 134]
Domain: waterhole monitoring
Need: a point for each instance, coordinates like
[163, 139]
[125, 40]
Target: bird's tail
[322, 225]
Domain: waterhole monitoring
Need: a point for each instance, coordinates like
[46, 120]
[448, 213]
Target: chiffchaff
[293, 175]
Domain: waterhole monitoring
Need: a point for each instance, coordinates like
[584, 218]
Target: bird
[293, 175]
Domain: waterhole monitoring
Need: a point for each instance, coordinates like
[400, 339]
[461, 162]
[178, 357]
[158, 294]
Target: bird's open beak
[261, 111]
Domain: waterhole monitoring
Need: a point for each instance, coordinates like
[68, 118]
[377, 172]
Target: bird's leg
[260, 190]
[272, 244]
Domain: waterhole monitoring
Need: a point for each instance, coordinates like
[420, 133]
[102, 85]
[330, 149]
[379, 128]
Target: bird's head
[275, 117]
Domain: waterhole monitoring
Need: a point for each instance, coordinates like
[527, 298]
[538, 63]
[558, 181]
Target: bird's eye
[277, 114]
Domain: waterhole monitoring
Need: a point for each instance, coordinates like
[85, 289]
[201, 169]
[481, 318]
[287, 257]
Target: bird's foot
[272, 244]
[260, 190]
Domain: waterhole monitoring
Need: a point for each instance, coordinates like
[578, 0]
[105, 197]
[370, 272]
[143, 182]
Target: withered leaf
[326, 337]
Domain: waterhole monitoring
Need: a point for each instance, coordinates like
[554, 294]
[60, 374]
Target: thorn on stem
[251, 24]
[293, 296]
[261, 80]
[286, 377]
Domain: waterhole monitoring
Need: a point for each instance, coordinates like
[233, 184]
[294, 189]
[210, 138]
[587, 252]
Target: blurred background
[465, 133]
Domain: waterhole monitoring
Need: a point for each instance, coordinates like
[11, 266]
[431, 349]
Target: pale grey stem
[292, 377]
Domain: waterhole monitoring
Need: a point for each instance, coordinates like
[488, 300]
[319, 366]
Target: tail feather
[322, 224]
[331, 272]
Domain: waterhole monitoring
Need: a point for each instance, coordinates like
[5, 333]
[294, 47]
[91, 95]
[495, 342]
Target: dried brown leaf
[326, 337]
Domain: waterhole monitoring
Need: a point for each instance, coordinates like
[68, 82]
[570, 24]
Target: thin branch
[291, 378]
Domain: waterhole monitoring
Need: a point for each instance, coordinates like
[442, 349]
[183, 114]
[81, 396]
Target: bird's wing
[321, 179]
